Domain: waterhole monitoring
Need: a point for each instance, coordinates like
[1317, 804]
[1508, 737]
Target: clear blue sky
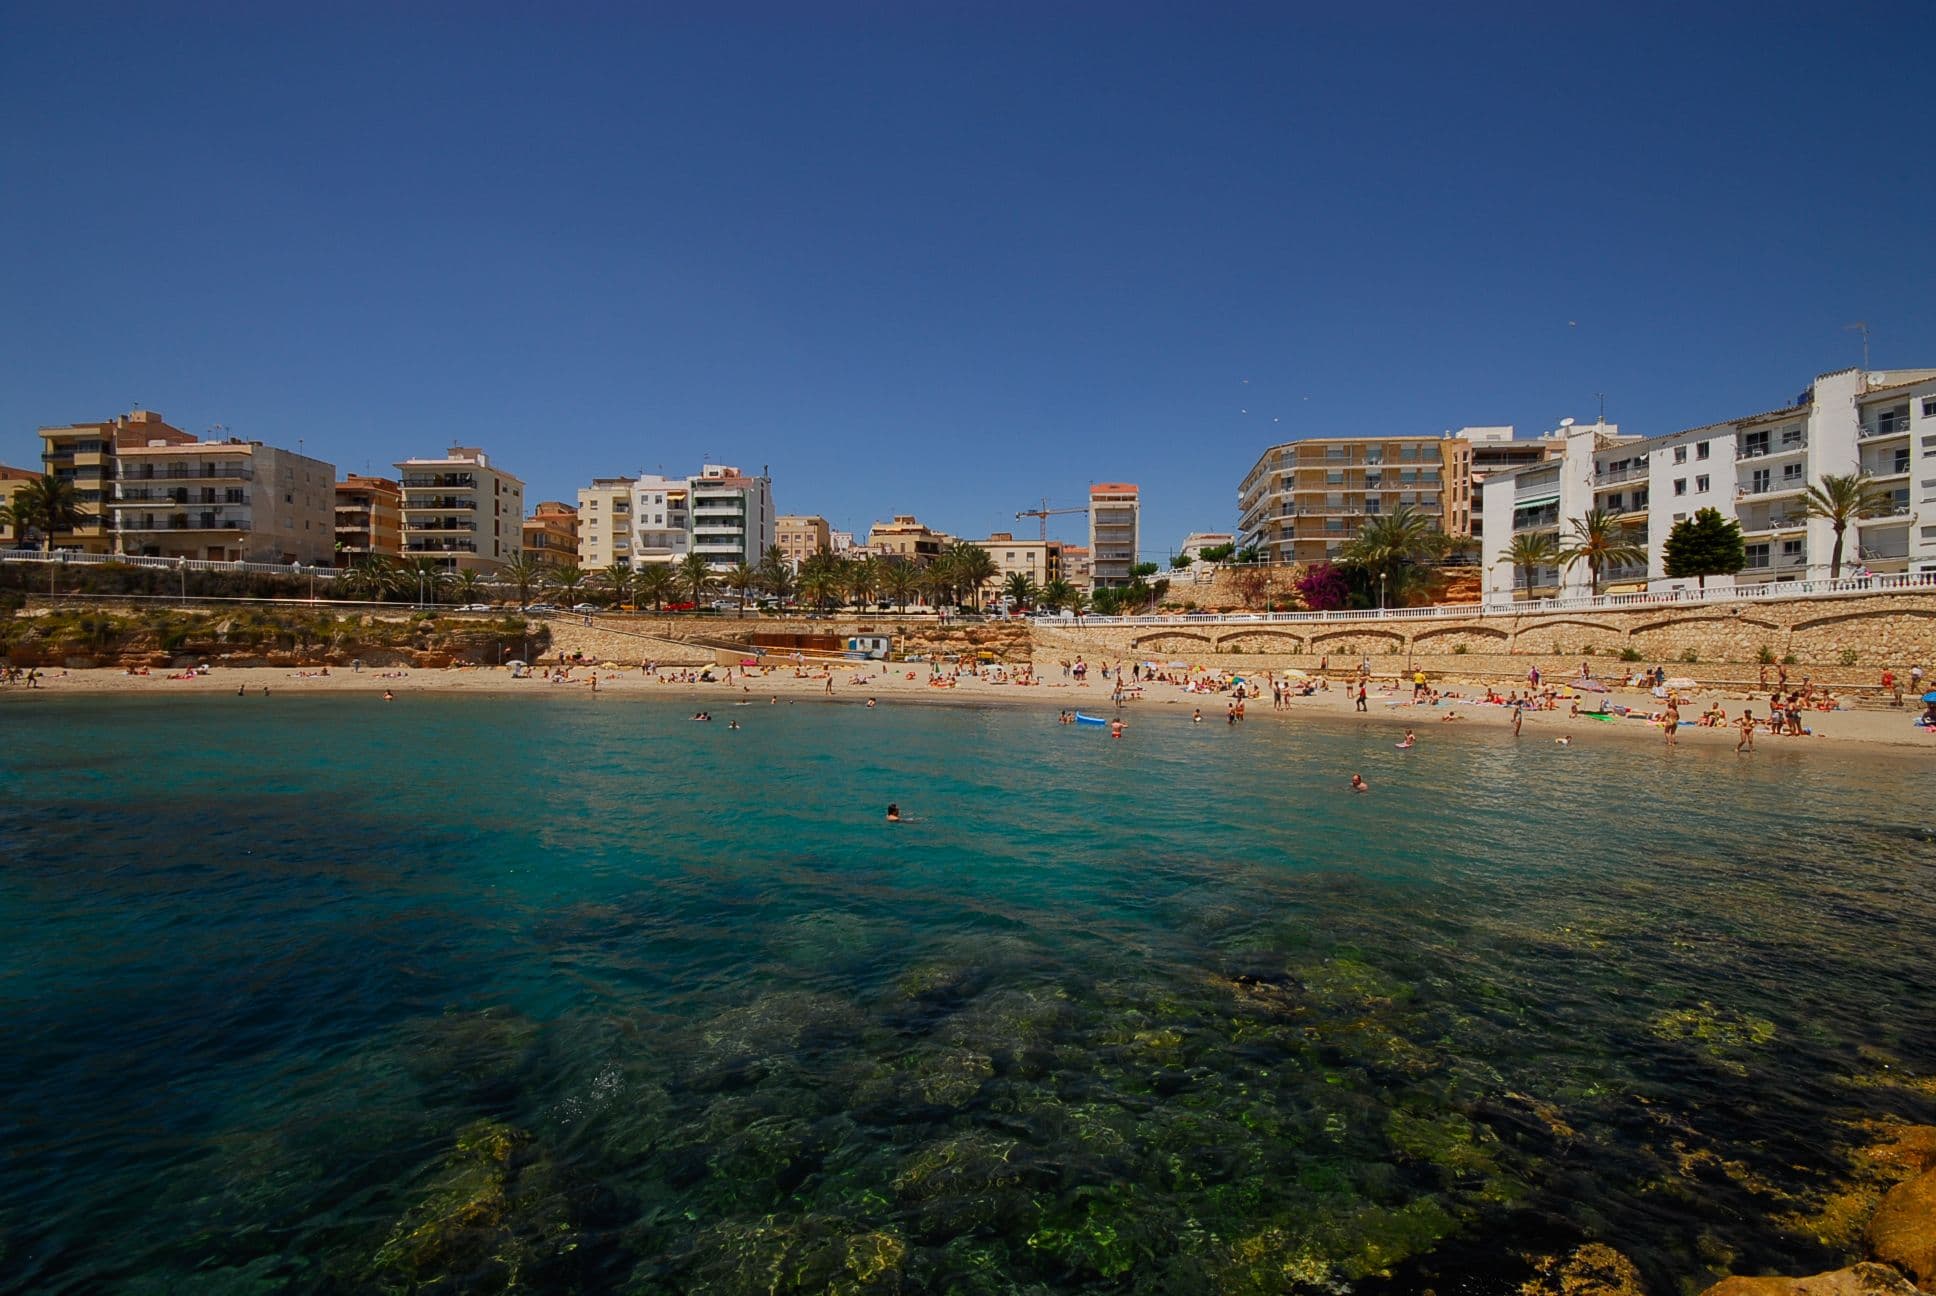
[949, 260]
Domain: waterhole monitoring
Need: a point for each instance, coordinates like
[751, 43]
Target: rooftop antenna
[1862, 327]
[1603, 405]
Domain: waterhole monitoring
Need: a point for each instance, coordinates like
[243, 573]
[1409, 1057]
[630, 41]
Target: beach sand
[1841, 732]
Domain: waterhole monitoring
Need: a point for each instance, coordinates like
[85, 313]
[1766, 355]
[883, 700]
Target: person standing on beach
[1361, 695]
[1532, 679]
[1671, 722]
[1519, 713]
[1746, 741]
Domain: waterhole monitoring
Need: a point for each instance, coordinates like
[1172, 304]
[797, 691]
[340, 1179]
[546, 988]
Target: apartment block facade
[1115, 532]
[84, 453]
[1302, 500]
[11, 480]
[369, 519]
[732, 516]
[461, 512]
[1039, 560]
[551, 534]
[801, 536]
[222, 501]
[605, 523]
[1753, 470]
[904, 537]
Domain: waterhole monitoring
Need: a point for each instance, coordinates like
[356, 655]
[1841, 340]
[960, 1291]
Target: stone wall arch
[1363, 631]
[1168, 640]
[1898, 635]
[1463, 631]
[1261, 641]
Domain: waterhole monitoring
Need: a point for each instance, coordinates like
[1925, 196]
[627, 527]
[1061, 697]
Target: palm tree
[652, 583]
[523, 573]
[937, 582]
[18, 515]
[739, 579]
[567, 581]
[1019, 589]
[425, 576]
[900, 580]
[861, 578]
[616, 583]
[373, 576]
[1600, 539]
[776, 576]
[1056, 595]
[820, 584]
[53, 504]
[974, 568]
[1391, 547]
[1530, 552]
[1078, 604]
[1840, 500]
[467, 584]
[694, 577]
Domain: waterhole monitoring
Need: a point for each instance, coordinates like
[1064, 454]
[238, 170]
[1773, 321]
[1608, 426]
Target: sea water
[579, 994]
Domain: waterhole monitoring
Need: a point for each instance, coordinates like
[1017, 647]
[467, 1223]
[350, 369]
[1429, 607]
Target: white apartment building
[461, 512]
[1753, 470]
[720, 513]
[223, 501]
[1115, 532]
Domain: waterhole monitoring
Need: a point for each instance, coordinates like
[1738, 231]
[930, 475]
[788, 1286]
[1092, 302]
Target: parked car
[475, 607]
[543, 609]
[584, 608]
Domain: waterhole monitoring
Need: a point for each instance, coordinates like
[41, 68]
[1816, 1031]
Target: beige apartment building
[369, 519]
[11, 480]
[222, 501]
[906, 538]
[83, 453]
[461, 512]
[801, 536]
[551, 534]
[605, 523]
[1075, 567]
[1302, 500]
[1039, 560]
[1115, 532]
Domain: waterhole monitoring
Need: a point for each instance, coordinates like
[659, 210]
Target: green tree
[1600, 539]
[900, 581]
[1531, 551]
[1217, 553]
[372, 577]
[974, 567]
[616, 584]
[776, 574]
[523, 573]
[694, 578]
[18, 516]
[1056, 595]
[821, 583]
[566, 582]
[653, 583]
[52, 504]
[860, 577]
[1840, 500]
[467, 583]
[426, 577]
[1078, 603]
[1180, 562]
[741, 579]
[1704, 545]
[1019, 589]
[1395, 546]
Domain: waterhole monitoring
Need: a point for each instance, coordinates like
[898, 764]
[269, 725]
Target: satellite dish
[1566, 422]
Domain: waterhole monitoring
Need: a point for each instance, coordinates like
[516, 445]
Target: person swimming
[1358, 783]
[893, 812]
[1410, 738]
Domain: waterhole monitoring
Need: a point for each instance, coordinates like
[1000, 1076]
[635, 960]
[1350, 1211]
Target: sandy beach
[1161, 704]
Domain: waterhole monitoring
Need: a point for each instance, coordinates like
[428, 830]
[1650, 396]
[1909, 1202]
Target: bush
[1765, 655]
[1690, 656]
[1588, 650]
[1630, 654]
[1460, 649]
[1791, 659]
[1849, 657]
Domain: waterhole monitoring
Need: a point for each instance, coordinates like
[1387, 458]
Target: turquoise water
[318, 994]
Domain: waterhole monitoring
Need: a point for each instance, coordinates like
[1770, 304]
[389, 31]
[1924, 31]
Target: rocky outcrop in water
[1856, 1280]
[1903, 1232]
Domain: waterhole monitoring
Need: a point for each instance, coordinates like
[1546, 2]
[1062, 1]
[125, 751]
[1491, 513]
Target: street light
[183, 565]
[1381, 591]
[420, 588]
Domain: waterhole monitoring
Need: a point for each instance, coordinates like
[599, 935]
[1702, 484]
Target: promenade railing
[1761, 593]
[72, 559]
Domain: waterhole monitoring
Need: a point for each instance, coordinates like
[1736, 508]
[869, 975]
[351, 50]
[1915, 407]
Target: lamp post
[1381, 591]
[183, 565]
[420, 589]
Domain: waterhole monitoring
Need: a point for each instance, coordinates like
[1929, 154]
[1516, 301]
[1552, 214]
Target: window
[1901, 462]
[1760, 480]
[1701, 483]
[1791, 475]
[1700, 451]
[1791, 551]
[1616, 503]
[1640, 499]
[1680, 454]
[1791, 435]
[1757, 555]
[1929, 407]
[1680, 485]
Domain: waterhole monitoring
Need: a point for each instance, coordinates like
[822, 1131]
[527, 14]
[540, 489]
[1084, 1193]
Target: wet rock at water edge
[1903, 1231]
[1857, 1280]
[1591, 1270]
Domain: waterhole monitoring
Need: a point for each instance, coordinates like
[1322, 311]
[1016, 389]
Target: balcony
[443, 481]
[441, 546]
[186, 472]
[439, 504]
[1786, 486]
[191, 522]
[1765, 450]
[1883, 428]
[1609, 476]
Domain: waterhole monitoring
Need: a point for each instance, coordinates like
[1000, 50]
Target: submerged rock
[1903, 1231]
[1591, 1270]
[1857, 1280]
[777, 1256]
[1718, 1034]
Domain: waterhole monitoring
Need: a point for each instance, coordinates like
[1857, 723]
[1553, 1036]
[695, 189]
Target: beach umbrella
[514, 662]
[1930, 696]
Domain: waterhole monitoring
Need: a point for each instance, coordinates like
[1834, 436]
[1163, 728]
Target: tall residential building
[83, 453]
[369, 519]
[223, 501]
[1115, 532]
[551, 534]
[1039, 560]
[11, 480]
[1075, 567]
[801, 536]
[605, 523]
[903, 537]
[1753, 470]
[661, 519]
[1302, 500]
[460, 512]
[1497, 450]
[732, 516]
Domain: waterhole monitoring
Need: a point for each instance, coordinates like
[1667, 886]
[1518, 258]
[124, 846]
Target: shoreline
[1836, 732]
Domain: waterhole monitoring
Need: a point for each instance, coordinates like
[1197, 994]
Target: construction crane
[1044, 513]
